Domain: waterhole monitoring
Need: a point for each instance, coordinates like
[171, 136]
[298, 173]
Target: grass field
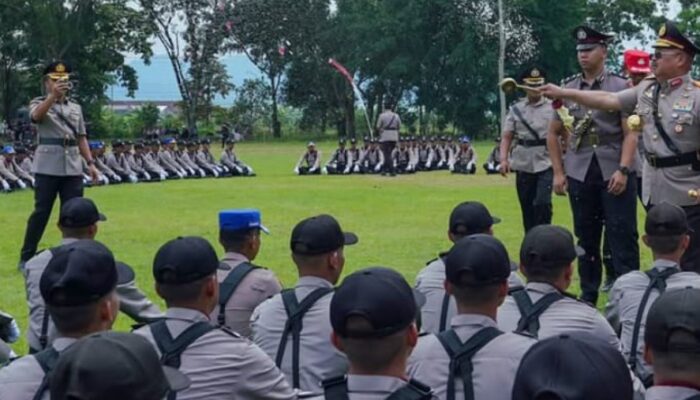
[401, 222]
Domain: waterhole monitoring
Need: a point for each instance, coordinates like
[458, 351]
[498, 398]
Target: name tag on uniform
[684, 105]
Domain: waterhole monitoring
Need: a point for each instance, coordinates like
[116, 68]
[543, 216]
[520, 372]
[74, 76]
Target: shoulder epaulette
[651, 77]
[230, 332]
[432, 261]
[525, 334]
[618, 75]
[569, 79]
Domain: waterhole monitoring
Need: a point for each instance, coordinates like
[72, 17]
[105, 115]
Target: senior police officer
[527, 124]
[242, 285]
[373, 315]
[473, 359]
[467, 218]
[62, 140]
[220, 363]
[293, 327]
[598, 169]
[79, 288]
[667, 110]
[672, 341]
[543, 308]
[388, 127]
[77, 221]
[633, 293]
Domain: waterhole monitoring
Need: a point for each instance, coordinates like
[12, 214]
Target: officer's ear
[337, 343]
[685, 242]
[448, 287]
[412, 335]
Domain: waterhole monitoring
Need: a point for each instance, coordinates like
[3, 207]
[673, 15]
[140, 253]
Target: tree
[192, 33]
[252, 103]
[147, 117]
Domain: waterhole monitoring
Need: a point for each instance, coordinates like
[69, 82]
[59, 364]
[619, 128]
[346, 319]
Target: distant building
[128, 106]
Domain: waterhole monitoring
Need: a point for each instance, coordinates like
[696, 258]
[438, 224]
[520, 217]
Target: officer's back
[220, 363]
[79, 288]
[317, 245]
[543, 308]
[373, 316]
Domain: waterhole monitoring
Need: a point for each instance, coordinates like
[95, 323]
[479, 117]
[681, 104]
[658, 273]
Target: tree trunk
[501, 61]
[276, 126]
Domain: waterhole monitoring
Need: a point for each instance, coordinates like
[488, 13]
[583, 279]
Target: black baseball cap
[483, 257]
[381, 295]
[79, 212]
[471, 217]
[318, 235]
[665, 219]
[81, 273]
[184, 260]
[113, 366]
[548, 246]
[674, 310]
[573, 366]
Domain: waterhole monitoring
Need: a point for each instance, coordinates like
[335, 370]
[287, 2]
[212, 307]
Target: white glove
[356, 169]
[5, 186]
[147, 175]
[296, 171]
[324, 171]
[378, 168]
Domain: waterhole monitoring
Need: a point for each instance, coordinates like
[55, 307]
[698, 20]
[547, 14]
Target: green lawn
[401, 222]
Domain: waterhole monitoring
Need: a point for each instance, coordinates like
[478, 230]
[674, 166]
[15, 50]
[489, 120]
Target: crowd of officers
[131, 162]
[411, 154]
[475, 325]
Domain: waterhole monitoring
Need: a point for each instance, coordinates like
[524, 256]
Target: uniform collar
[313, 281]
[599, 79]
[663, 265]
[541, 287]
[473, 321]
[677, 82]
[663, 392]
[539, 103]
[61, 343]
[186, 314]
[66, 241]
[235, 257]
[374, 384]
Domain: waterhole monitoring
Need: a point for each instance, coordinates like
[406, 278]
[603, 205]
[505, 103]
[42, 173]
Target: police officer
[527, 124]
[388, 127]
[79, 289]
[492, 165]
[293, 327]
[599, 168]
[340, 161]
[57, 167]
[467, 218]
[310, 161]
[108, 365]
[465, 160]
[666, 109]
[672, 339]
[6, 171]
[373, 316]
[9, 333]
[242, 285]
[355, 155]
[78, 220]
[633, 293]
[230, 160]
[477, 271]
[426, 156]
[553, 369]
[220, 363]
[373, 160]
[543, 308]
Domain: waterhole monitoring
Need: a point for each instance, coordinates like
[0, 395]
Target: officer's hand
[504, 168]
[617, 184]
[94, 174]
[59, 88]
[551, 91]
[560, 185]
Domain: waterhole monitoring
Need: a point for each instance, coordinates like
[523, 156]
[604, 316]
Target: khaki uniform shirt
[131, 300]
[495, 364]
[5, 172]
[21, 379]
[430, 282]
[605, 124]
[566, 315]
[222, 365]
[310, 160]
[388, 126]
[532, 159]
[258, 286]
[58, 160]
[623, 305]
[679, 107]
[114, 164]
[318, 358]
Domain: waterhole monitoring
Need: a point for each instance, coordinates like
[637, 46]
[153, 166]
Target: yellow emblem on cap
[662, 31]
[535, 73]
[60, 68]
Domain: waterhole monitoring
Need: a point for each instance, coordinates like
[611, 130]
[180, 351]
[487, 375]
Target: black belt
[673, 161]
[532, 143]
[599, 140]
[58, 142]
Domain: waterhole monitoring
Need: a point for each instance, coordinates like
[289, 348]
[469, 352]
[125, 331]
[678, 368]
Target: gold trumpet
[509, 85]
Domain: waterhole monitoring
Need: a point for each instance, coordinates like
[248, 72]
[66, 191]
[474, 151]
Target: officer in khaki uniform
[79, 288]
[219, 362]
[633, 293]
[293, 327]
[666, 109]
[388, 127]
[527, 124]
[468, 218]
[599, 168]
[78, 220]
[373, 315]
[477, 272]
[62, 140]
[543, 308]
[242, 285]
